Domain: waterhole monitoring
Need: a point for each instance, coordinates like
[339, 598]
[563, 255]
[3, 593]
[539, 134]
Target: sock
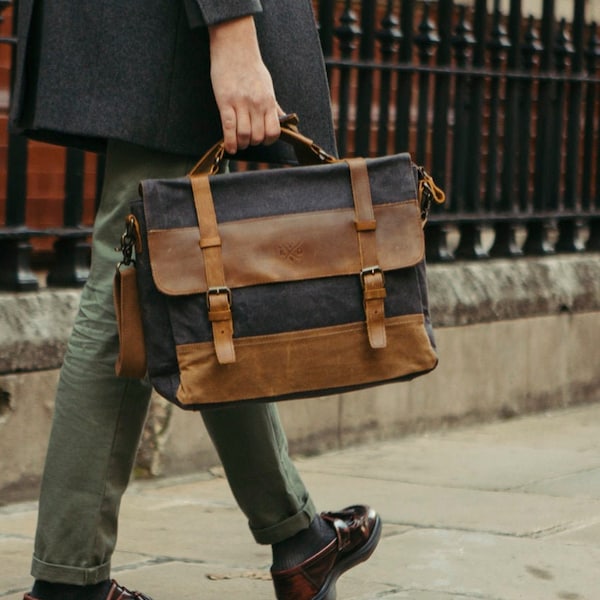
[305, 543]
[45, 590]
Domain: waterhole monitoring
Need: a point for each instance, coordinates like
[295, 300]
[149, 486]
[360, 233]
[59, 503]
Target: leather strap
[307, 152]
[218, 296]
[372, 277]
[131, 361]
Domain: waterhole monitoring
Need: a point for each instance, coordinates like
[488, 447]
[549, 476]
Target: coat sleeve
[208, 12]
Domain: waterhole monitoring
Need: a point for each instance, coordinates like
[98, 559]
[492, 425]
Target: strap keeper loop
[375, 294]
[214, 316]
[366, 225]
[209, 242]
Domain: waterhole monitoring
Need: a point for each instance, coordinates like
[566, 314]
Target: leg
[98, 417]
[310, 552]
[253, 449]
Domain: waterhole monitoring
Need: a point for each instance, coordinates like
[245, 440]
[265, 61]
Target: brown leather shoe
[358, 530]
[116, 592]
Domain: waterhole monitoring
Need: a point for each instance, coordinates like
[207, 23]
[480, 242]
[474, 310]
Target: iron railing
[503, 110]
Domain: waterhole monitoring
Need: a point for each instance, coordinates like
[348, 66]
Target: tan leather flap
[286, 248]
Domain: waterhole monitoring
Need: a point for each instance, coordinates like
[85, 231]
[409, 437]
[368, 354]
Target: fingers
[243, 128]
[272, 129]
[229, 124]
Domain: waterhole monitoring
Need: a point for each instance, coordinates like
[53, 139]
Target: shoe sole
[328, 592]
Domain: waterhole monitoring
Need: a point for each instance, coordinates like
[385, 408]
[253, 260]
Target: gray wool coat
[139, 71]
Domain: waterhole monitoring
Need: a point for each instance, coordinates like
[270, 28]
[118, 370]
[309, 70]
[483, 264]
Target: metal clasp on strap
[217, 291]
[428, 192]
[128, 242]
[374, 270]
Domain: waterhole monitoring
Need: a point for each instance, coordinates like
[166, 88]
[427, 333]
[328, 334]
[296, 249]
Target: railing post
[470, 245]
[388, 37]
[529, 52]
[570, 229]
[497, 46]
[71, 268]
[15, 248]
[592, 60]
[405, 78]
[463, 40]
[438, 231]
[362, 144]
[544, 196]
[347, 33]
[505, 243]
[426, 40]
[441, 97]
[326, 11]
[590, 190]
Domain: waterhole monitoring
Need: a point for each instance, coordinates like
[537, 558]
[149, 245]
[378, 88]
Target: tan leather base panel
[296, 362]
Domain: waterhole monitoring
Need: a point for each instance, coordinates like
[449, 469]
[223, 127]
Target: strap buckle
[128, 243]
[428, 192]
[217, 291]
[374, 270]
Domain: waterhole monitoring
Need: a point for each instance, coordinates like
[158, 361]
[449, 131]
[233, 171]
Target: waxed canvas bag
[277, 284]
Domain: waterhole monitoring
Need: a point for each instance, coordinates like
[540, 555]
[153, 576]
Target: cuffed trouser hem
[286, 529]
[71, 575]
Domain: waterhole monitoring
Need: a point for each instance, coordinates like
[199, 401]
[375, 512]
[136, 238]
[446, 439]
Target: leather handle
[307, 152]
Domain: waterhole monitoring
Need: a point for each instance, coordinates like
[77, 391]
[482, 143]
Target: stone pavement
[501, 511]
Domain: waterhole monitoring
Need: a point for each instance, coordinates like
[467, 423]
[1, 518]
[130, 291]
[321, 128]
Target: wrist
[240, 31]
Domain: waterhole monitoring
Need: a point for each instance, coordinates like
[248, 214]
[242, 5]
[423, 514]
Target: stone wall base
[487, 370]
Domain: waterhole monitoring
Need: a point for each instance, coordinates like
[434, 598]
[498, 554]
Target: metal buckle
[321, 154]
[217, 291]
[428, 192]
[127, 244]
[371, 271]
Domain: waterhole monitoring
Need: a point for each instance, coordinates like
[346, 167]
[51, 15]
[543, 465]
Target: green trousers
[99, 418]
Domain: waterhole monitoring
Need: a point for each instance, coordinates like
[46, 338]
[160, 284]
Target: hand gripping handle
[307, 152]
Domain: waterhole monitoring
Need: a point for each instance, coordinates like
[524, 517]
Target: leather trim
[316, 359]
[291, 247]
[219, 303]
[131, 360]
[373, 280]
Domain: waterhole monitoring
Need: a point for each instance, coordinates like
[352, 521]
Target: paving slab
[486, 566]
[457, 462]
[507, 513]
[12, 552]
[503, 511]
[221, 581]
[191, 533]
[585, 483]
[574, 429]
[585, 535]
[18, 519]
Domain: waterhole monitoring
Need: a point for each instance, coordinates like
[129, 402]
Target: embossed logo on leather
[292, 251]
